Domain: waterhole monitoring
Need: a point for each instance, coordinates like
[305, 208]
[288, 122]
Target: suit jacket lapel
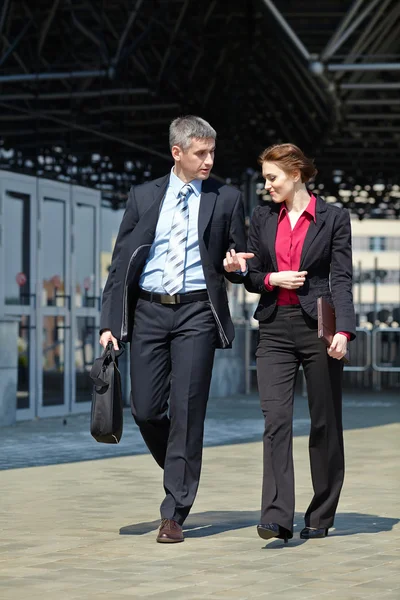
[271, 226]
[149, 218]
[208, 199]
[314, 229]
[160, 189]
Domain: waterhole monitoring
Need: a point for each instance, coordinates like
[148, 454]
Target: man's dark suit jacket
[220, 226]
[326, 256]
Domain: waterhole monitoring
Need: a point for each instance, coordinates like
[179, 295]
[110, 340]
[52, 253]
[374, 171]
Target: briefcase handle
[115, 354]
[98, 370]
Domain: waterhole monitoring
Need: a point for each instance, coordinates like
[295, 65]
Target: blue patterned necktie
[174, 269]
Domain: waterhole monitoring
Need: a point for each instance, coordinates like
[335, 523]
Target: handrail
[361, 368]
[375, 365]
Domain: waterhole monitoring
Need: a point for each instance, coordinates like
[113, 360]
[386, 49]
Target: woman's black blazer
[326, 256]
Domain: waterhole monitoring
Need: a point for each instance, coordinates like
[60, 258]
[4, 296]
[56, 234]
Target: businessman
[166, 294]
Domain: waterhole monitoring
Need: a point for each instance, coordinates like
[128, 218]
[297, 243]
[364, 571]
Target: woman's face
[278, 183]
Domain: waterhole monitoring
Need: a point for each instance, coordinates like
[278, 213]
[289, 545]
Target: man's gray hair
[183, 129]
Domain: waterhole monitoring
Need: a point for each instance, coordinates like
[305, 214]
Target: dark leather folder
[327, 324]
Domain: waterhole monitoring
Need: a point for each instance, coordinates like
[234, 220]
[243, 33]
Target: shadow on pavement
[214, 522]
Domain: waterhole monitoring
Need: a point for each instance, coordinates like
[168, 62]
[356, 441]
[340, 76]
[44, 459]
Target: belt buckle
[167, 299]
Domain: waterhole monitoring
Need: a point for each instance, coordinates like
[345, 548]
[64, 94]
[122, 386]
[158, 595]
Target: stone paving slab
[86, 530]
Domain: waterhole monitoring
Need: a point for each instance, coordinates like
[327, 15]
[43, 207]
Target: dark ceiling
[88, 88]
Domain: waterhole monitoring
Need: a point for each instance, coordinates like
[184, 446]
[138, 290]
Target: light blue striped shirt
[193, 279]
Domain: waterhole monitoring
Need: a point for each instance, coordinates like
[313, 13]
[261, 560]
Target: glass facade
[50, 284]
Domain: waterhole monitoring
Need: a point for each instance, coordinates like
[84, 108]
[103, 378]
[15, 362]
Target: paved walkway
[86, 530]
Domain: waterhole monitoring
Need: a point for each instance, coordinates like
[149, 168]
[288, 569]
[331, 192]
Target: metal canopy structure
[88, 87]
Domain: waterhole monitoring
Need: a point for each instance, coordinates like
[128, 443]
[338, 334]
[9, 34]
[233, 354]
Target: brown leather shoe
[170, 532]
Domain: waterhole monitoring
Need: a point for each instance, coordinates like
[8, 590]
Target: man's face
[196, 162]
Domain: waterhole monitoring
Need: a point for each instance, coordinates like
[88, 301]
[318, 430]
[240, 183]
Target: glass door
[18, 244]
[54, 298]
[85, 293]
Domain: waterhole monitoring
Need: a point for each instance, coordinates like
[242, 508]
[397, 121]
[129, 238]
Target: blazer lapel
[271, 227]
[314, 229]
[149, 218]
[208, 199]
[160, 189]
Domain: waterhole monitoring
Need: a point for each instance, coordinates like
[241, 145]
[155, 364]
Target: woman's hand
[338, 348]
[290, 280]
[236, 261]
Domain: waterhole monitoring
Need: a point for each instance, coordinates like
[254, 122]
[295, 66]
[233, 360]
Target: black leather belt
[198, 296]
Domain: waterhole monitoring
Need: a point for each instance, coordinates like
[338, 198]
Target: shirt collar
[177, 184]
[310, 209]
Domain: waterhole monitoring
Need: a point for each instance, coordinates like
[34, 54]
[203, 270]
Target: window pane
[110, 222]
[85, 244]
[53, 251]
[86, 344]
[377, 243]
[53, 360]
[23, 363]
[17, 246]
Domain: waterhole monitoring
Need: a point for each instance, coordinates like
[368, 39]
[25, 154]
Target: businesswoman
[302, 250]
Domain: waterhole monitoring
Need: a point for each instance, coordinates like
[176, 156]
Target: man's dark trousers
[172, 354]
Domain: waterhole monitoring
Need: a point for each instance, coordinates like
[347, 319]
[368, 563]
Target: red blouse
[288, 247]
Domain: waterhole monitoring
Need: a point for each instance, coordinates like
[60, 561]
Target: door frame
[24, 184]
[90, 197]
[59, 192]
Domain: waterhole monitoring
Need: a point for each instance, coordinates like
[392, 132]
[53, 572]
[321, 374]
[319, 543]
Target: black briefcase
[107, 408]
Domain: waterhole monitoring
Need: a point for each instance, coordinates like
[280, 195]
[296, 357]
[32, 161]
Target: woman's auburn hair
[289, 157]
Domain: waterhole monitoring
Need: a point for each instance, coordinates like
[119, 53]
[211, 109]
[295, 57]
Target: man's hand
[338, 348]
[106, 337]
[290, 280]
[236, 262]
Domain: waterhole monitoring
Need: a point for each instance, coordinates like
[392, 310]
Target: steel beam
[364, 67]
[128, 26]
[341, 29]
[51, 76]
[115, 35]
[372, 116]
[172, 39]
[46, 26]
[376, 128]
[372, 102]
[72, 125]
[368, 34]
[286, 27]
[358, 152]
[338, 43]
[134, 108]
[15, 43]
[16, 55]
[88, 33]
[370, 86]
[3, 14]
[362, 139]
[68, 95]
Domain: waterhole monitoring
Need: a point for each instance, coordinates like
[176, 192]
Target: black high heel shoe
[273, 530]
[309, 534]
